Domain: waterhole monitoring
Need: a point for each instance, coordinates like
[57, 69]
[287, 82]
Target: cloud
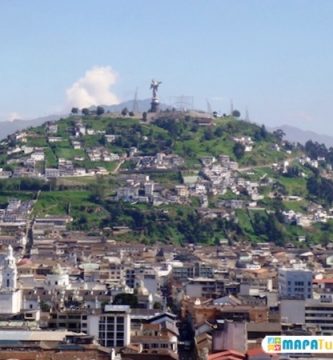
[94, 88]
[14, 116]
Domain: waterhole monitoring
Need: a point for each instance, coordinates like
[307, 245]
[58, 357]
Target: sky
[274, 58]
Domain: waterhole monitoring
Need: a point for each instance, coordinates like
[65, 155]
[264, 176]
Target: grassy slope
[191, 144]
[77, 204]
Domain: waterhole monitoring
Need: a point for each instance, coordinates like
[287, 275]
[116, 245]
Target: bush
[239, 150]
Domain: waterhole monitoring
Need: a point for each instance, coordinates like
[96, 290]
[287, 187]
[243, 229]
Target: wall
[10, 302]
[292, 311]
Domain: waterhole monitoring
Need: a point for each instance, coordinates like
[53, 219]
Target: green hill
[92, 157]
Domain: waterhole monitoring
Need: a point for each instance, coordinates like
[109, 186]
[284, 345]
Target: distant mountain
[9, 127]
[302, 136]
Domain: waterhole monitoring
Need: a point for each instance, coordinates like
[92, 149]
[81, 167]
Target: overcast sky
[273, 57]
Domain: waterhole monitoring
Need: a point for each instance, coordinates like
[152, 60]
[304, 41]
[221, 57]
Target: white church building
[10, 295]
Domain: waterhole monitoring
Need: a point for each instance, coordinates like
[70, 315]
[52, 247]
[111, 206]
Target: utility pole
[135, 107]
[231, 107]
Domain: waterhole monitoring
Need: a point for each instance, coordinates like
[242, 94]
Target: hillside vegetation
[95, 156]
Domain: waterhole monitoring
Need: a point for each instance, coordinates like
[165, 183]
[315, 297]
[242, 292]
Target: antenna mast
[209, 107]
[135, 107]
[247, 116]
[231, 107]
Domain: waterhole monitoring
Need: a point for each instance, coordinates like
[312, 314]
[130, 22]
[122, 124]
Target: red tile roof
[324, 281]
[259, 351]
[227, 355]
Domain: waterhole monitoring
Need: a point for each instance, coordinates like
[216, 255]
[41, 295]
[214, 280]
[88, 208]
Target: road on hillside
[253, 167]
[116, 169]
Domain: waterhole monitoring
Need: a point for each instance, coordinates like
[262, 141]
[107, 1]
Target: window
[120, 320]
[109, 343]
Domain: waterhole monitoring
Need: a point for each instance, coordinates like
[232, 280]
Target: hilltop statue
[154, 85]
[155, 100]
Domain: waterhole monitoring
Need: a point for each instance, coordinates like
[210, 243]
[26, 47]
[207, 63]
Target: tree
[219, 131]
[157, 305]
[85, 111]
[292, 172]
[279, 134]
[131, 113]
[315, 150]
[279, 188]
[236, 113]
[100, 110]
[82, 222]
[261, 133]
[274, 230]
[124, 111]
[8, 167]
[75, 110]
[174, 127]
[239, 150]
[30, 184]
[98, 190]
[321, 188]
[208, 134]
[126, 299]
[44, 306]
[259, 224]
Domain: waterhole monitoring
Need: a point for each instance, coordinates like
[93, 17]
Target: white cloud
[14, 116]
[94, 88]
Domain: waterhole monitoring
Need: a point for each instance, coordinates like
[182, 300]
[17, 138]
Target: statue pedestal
[155, 106]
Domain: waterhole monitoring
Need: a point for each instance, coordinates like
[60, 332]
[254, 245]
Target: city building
[295, 283]
[112, 327]
[10, 295]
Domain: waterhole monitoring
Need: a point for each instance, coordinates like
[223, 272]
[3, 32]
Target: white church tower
[10, 295]
[9, 272]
